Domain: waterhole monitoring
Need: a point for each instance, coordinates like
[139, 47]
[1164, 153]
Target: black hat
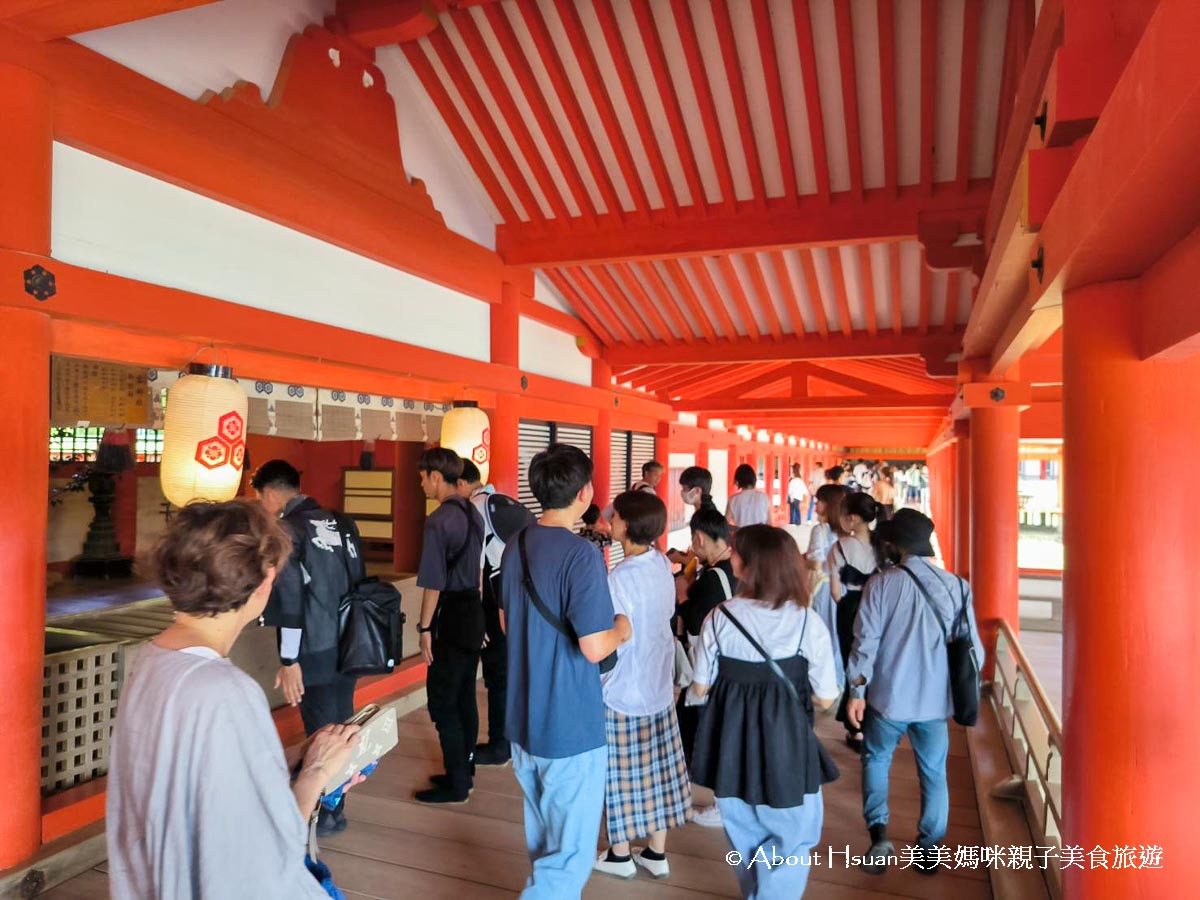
[909, 530]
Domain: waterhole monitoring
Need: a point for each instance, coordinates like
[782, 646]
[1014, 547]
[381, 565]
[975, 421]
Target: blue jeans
[793, 512]
[564, 799]
[812, 506]
[762, 834]
[930, 742]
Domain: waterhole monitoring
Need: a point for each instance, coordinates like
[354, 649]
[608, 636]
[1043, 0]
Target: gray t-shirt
[199, 802]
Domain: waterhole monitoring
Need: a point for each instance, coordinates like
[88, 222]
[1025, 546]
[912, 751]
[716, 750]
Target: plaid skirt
[648, 788]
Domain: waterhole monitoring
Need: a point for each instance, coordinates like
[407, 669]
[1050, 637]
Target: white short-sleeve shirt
[778, 631]
[642, 682]
[751, 507]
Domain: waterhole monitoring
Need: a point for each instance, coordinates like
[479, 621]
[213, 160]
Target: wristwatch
[283, 660]
[421, 629]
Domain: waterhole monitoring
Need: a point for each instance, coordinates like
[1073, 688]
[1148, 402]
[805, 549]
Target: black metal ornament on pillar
[102, 556]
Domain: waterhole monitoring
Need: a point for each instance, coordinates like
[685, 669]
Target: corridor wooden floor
[396, 848]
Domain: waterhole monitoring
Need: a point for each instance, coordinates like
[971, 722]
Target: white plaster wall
[546, 293]
[113, 219]
[553, 353]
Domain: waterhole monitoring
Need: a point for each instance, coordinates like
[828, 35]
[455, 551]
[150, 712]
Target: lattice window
[74, 444]
[148, 446]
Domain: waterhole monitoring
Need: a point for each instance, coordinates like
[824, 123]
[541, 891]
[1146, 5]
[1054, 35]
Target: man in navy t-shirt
[555, 715]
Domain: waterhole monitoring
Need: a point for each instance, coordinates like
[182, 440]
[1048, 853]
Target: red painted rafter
[842, 379]
[774, 82]
[734, 284]
[759, 282]
[581, 307]
[704, 98]
[479, 111]
[682, 378]
[581, 48]
[866, 280]
[845, 40]
[929, 23]
[629, 279]
[519, 64]
[698, 268]
[926, 296]
[508, 109]
[814, 290]
[839, 290]
[953, 293]
[649, 312]
[458, 128]
[729, 379]
[679, 277]
[966, 98]
[637, 103]
[622, 333]
[1018, 34]
[887, 89]
[753, 378]
[896, 285]
[536, 24]
[583, 276]
[741, 105]
[790, 297]
[659, 288]
[812, 95]
[652, 41]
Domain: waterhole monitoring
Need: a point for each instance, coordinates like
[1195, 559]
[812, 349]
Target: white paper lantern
[466, 431]
[204, 437]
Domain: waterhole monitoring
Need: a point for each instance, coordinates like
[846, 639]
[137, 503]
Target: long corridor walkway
[396, 848]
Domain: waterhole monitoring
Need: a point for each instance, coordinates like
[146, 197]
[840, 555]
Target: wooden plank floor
[396, 848]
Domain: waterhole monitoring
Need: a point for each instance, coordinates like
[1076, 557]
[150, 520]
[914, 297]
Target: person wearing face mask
[695, 487]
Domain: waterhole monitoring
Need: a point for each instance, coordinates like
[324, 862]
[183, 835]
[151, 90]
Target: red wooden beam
[966, 98]
[839, 290]
[462, 135]
[734, 284]
[572, 296]
[677, 275]
[519, 64]
[1018, 32]
[741, 105]
[897, 286]
[770, 65]
[637, 103]
[1168, 311]
[879, 215]
[583, 277]
[812, 95]
[483, 120]
[887, 90]
[759, 283]
[867, 282]
[724, 405]
[929, 26]
[666, 298]
[581, 48]
[570, 104]
[845, 41]
[814, 291]
[649, 311]
[704, 98]
[791, 298]
[953, 291]
[503, 98]
[753, 378]
[652, 41]
[708, 286]
[373, 24]
[634, 287]
[46, 20]
[926, 296]
[711, 380]
[859, 345]
[827, 372]
[556, 318]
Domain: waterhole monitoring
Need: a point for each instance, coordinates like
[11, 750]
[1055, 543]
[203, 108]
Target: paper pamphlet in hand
[377, 737]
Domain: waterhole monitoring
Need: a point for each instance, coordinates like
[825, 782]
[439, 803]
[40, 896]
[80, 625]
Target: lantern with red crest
[204, 436]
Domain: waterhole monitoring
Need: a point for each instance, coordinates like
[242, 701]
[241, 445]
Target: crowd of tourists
[613, 694]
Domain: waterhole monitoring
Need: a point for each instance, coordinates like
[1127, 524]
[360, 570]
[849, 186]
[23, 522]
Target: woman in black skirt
[763, 660]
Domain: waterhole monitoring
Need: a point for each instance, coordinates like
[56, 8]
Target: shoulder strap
[534, 596]
[774, 666]
[465, 508]
[928, 599]
[724, 582]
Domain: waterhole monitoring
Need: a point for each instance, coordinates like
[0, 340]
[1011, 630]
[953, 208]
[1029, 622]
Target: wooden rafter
[618, 301]
[680, 280]
[813, 284]
[866, 280]
[755, 377]
[659, 288]
[630, 280]
[759, 282]
[929, 26]
[966, 98]
[790, 297]
[704, 98]
[46, 20]
[519, 64]
[953, 292]
[770, 65]
[845, 46]
[926, 297]
[649, 311]
[839, 291]
[581, 307]
[741, 104]
[698, 268]
[896, 284]
[734, 285]
[887, 92]
[812, 95]
[462, 135]
[605, 310]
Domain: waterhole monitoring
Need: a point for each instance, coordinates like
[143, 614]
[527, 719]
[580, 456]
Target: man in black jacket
[326, 562]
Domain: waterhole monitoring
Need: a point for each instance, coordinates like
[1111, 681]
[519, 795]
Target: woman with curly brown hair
[199, 802]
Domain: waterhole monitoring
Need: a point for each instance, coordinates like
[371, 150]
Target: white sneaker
[659, 868]
[627, 869]
[709, 816]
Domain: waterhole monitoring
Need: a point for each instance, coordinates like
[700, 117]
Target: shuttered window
[630, 451]
[533, 438]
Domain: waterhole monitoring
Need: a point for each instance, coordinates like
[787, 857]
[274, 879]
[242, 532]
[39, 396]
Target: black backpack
[370, 627]
[503, 519]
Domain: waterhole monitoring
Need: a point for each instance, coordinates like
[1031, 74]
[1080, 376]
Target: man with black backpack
[452, 621]
[915, 625]
[326, 562]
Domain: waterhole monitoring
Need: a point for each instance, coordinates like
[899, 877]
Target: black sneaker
[442, 793]
[443, 780]
[492, 754]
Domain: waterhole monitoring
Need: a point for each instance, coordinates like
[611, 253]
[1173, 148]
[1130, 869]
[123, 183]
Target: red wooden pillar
[602, 441]
[1130, 619]
[995, 434]
[504, 419]
[26, 142]
[962, 498]
[667, 485]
